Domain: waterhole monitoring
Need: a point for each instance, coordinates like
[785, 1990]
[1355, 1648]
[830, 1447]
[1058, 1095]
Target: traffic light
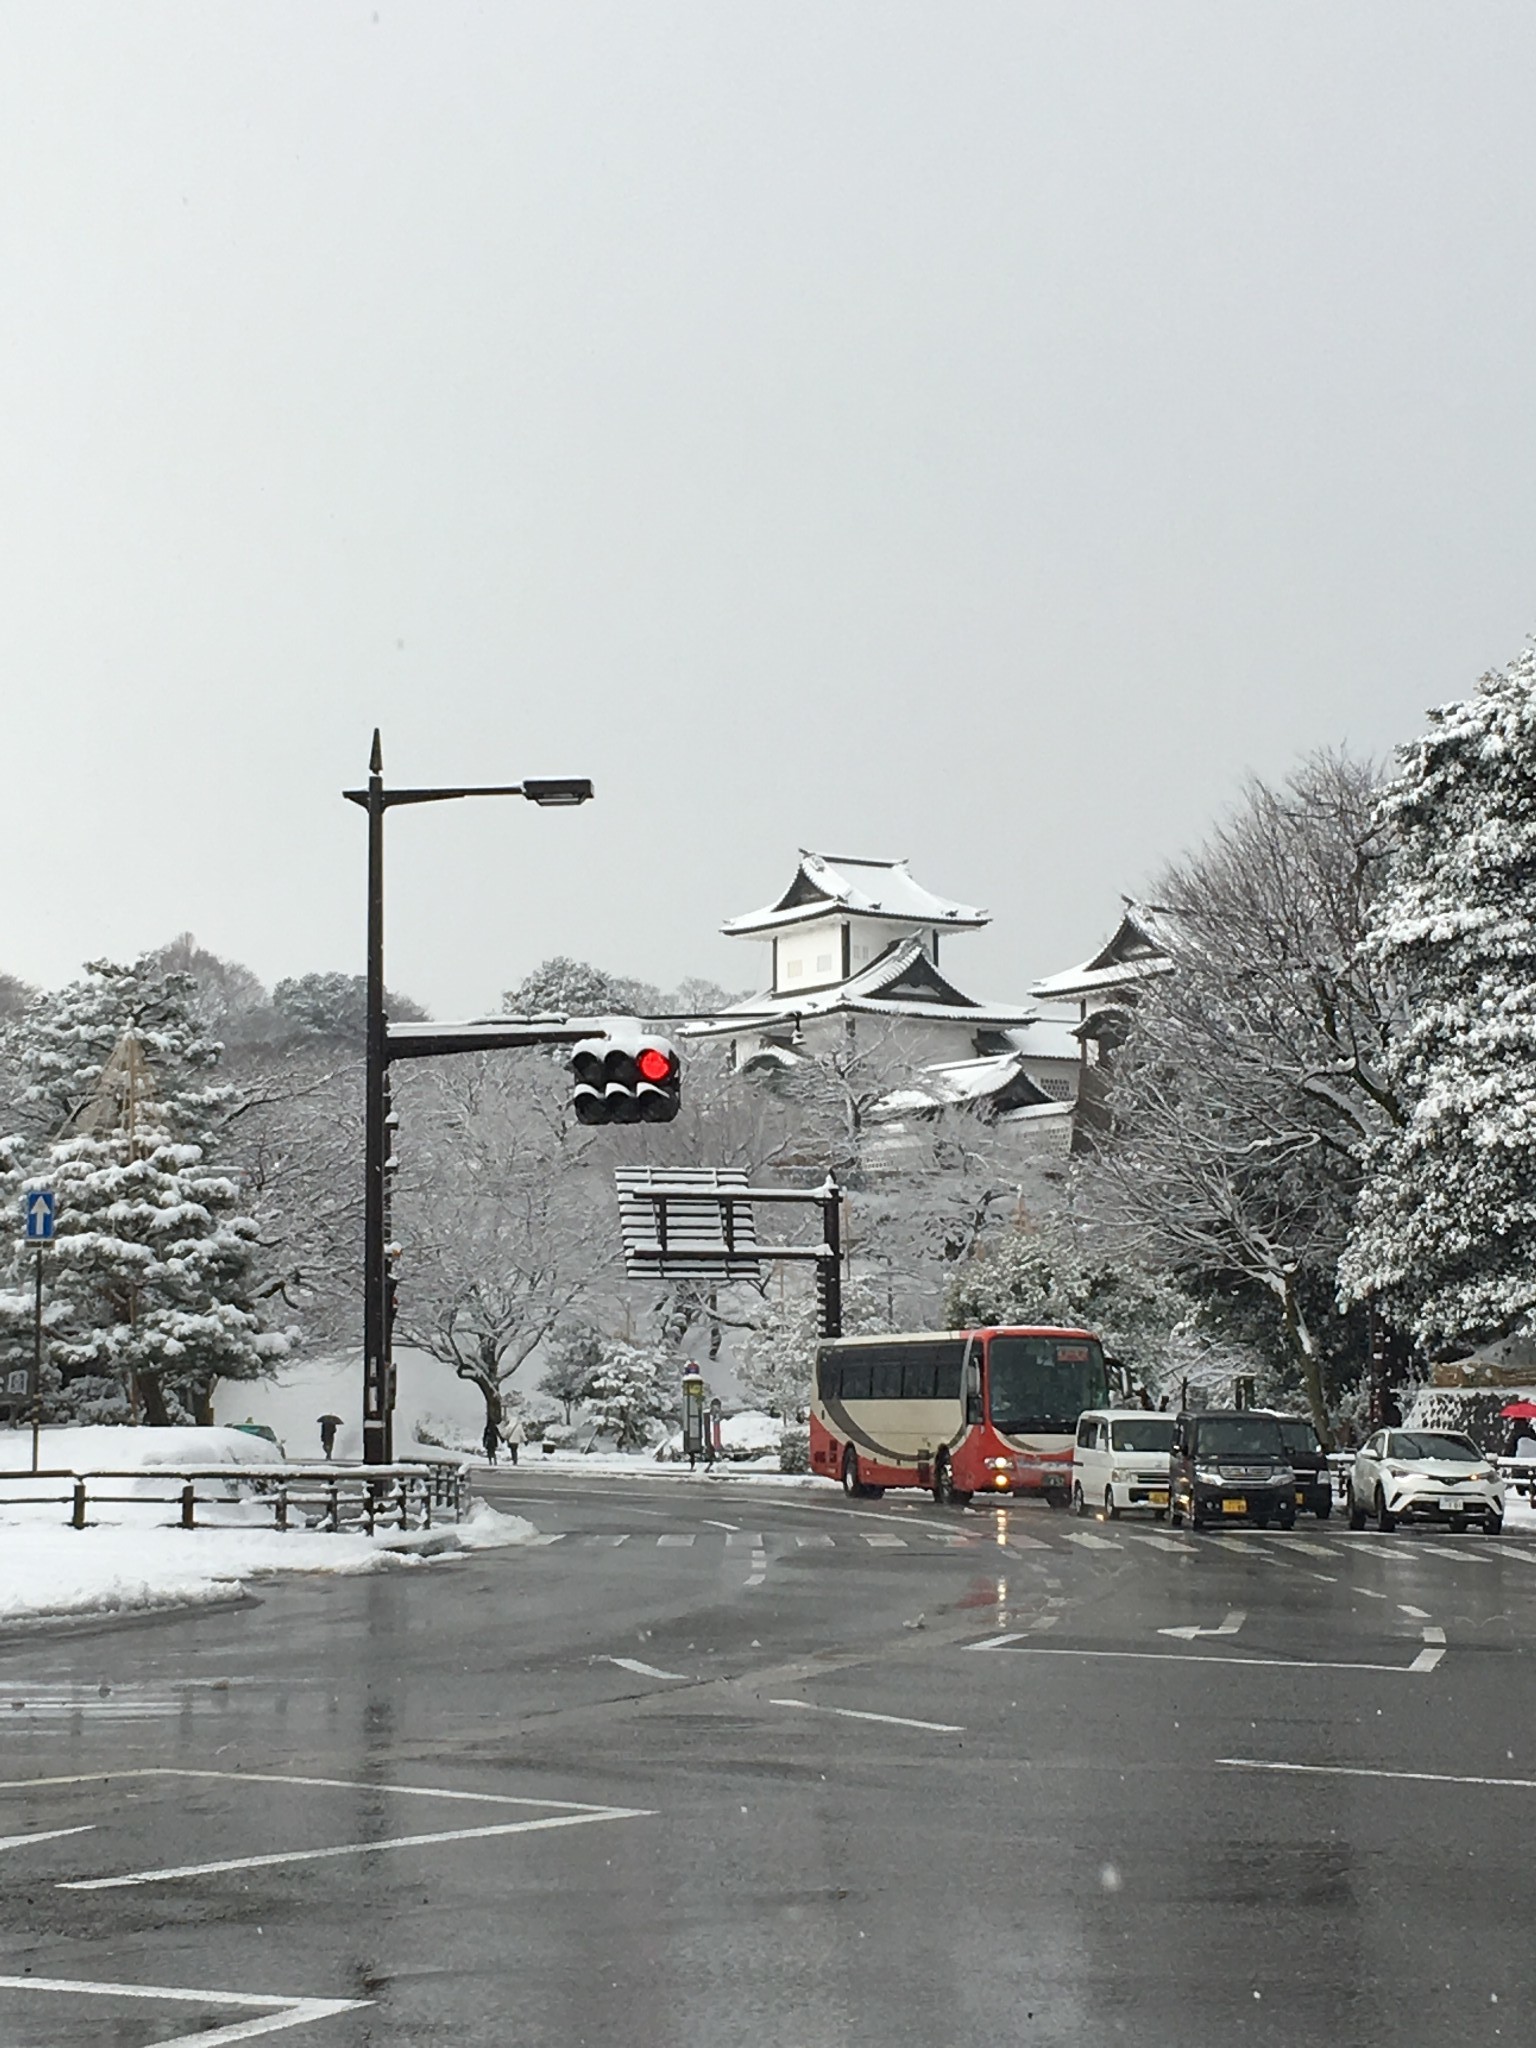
[626, 1081]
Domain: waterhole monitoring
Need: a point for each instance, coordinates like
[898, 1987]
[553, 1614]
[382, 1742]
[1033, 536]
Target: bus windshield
[1044, 1383]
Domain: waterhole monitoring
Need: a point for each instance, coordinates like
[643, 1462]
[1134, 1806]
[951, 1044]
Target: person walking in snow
[513, 1434]
[490, 1441]
[329, 1424]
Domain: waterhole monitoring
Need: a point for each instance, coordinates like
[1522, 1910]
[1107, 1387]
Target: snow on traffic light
[626, 1079]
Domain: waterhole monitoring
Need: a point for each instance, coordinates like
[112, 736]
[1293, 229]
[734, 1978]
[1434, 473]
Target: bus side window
[917, 1376]
[855, 1379]
[885, 1377]
[973, 1387]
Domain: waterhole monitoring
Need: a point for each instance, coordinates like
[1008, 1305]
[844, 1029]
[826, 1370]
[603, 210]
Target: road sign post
[37, 1208]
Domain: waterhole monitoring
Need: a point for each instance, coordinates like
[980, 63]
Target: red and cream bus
[959, 1412]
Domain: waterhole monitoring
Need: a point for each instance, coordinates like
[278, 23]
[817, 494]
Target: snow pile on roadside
[102, 1447]
[47, 1572]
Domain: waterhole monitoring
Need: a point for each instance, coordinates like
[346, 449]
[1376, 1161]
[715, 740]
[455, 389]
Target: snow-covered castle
[855, 955]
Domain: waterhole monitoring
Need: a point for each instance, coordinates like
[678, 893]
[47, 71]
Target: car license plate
[1301, 1498]
[1234, 1507]
[1159, 1499]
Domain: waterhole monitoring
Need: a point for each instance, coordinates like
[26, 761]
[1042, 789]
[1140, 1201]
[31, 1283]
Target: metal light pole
[378, 1319]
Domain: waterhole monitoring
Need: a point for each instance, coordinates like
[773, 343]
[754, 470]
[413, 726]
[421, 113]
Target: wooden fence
[334, 1498]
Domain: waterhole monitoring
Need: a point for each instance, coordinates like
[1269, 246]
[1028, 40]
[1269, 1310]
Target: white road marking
[1507, 1550]
[746, 1539]
[1234, 1621]
[815, 1542]
[541, 1542]
[46, 1835]
[509, 1827]
[733, 1528]
[884, 1542]
[674, 1542]
[642, 1670]
[1445, 1550]
[1427, 1659]
[1161, 1542]
[1090, 1542]
[1253, 1763]
[277, 2014]
[1017, 1542]
[286, 1778]
[854, 1714]
[759, 1570]
[1416, 1613]
[1312, 1549]
[1006, 1644]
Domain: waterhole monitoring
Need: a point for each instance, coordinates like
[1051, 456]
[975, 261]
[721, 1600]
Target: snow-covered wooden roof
[1137, 951]
[902, 982]
[830, 884]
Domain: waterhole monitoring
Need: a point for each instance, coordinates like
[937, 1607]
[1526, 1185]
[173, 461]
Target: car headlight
[1284, 1476]
[1206, 1477]
[999, 1464]
[1482, 1472]
[1395, 1471]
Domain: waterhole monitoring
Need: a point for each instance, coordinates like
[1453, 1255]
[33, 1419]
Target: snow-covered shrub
[795, 1448]
[630, 1393]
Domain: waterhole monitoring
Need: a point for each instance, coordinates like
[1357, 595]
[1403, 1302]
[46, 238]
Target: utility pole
[378, 1121]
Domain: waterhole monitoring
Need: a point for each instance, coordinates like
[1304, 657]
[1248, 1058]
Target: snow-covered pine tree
[1444, 1236]
[149, 1281]
[631, 1391]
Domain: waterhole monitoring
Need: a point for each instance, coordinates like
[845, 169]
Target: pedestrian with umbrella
[329, 1424]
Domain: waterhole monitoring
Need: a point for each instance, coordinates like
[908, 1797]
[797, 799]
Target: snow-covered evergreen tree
[631, 1392]
[778, 1359]
[149, 1283]
[1444, 1237]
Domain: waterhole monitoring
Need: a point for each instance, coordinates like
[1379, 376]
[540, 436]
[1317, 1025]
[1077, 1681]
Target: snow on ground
[427, 1395]
[48, 1570]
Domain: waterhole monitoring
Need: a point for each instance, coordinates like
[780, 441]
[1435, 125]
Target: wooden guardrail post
[280, 1511]
[77, 1515]
[189, 1505]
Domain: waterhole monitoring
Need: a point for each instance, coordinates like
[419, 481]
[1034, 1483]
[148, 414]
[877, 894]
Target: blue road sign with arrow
[37, 1209]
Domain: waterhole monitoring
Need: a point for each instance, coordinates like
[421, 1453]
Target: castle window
[823, 963]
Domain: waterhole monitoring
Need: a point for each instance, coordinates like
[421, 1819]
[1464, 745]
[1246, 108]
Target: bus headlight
[999, 1464]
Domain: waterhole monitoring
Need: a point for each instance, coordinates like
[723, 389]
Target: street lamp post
[378, 1121]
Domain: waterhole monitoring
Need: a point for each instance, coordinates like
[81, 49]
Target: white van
[1120, 1460]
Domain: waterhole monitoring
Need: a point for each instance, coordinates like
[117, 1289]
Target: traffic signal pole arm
[382, 1046]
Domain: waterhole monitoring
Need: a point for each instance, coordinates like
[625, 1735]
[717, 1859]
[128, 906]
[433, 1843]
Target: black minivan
[1231, 1465]
[1309, 1461]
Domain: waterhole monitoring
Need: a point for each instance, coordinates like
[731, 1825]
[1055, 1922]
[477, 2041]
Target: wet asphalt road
[724, 1764]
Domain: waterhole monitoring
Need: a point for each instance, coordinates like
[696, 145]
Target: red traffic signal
[625, 1079]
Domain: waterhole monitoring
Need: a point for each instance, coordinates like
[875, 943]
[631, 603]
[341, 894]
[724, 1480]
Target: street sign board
[37, 1213]
[18, 1382]
[700, 1228]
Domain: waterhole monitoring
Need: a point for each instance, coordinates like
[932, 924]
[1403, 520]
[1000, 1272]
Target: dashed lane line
[674, 1542]
[1254, 1763]
[859, 1714]
[759, 1570]
[1089, 1541]
[643, 1670]
[44, 1835]
[885, 1542]
[817, 1542]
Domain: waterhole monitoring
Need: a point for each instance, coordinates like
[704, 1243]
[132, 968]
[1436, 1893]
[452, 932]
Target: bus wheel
[945, 1492]
[851, 1484]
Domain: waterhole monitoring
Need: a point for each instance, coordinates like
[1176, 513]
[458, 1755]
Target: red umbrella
[1519, 1411]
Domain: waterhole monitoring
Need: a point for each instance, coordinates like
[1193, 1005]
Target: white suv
[1424, 1474]
[1120, 1460]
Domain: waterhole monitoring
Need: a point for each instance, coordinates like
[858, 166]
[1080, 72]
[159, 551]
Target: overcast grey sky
[976, 432]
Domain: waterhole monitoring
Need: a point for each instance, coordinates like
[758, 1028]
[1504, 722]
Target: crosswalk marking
[1270, 1546]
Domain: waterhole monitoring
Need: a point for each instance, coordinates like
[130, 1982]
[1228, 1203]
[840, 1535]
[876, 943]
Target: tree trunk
[151, 1396]
[1300, 1338]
